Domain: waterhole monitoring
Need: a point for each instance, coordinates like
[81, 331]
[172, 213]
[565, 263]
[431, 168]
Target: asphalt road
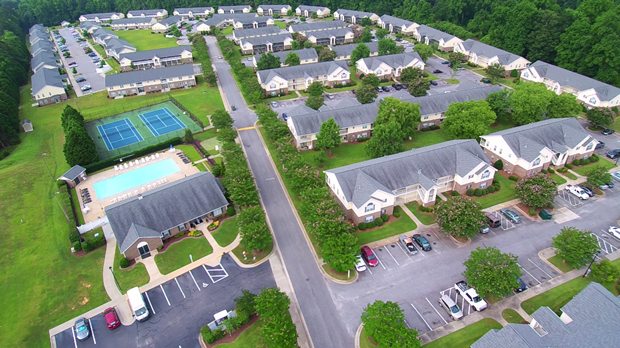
[321, 316]
[86, 68]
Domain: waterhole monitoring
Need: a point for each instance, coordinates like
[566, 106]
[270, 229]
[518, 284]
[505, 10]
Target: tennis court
[161, 121]
[119, 133]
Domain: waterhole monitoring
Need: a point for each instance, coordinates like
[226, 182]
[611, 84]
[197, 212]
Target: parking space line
[381, 263]
[436, 311]
[542, 270]
[75, 341]
[179, 285]
[416, 310]
[166, 296]
[90, 323]
[149, 299]
[403, 250]
[195, 282]
[531, 275]
[386, 249]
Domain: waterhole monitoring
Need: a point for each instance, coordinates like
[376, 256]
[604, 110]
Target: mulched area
[231, 338]
[170, 241]
[390, 220]
[81, 253]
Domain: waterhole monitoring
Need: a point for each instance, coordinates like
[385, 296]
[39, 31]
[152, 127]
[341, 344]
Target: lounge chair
[153, 157]
[131, 164]
[157, 155]
[148, 159]
[143, 189]
[116, 168]
[148, 187]
[142, 160]
[126, 166]
[136, 192]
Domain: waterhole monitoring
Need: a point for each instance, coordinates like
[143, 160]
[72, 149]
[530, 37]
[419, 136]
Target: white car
[360, 265]
[274, 104]
[614, 231]
[577, 191]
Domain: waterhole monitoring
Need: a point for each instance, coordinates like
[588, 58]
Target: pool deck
[97, 206]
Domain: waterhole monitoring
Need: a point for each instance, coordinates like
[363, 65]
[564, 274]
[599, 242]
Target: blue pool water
[135, 178]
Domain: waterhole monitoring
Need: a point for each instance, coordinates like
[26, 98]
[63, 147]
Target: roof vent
[140, 197]
[419, 171]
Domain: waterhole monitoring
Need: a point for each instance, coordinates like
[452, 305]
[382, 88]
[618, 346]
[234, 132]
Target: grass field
[559, 263]
[425, 218]
[603, 162]
[190, 151]
[208, 134]
[343, 155]
[558, 179]
[228, 30]
[506, 193]
[76, 207]
[127, 279]
[238, 251]
[248, 338]
[570, 175]
[512, 316]
[144, 40]
[99, 49]
[177, 255]
[43, 284]
[557, 297]
[227, 232]
[116, 68]
[452, 81]
[403, 225]
[465, 337]
[280, 24]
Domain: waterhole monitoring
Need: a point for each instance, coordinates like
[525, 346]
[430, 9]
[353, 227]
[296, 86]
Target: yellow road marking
[246, 128]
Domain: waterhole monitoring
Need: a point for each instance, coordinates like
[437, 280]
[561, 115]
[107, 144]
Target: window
[592, 100]
[370, 207]
[536, 162]
[495, 148]
[272, 86]
[486, 174]
[182, 227]
[500, 151]
[426, 117]
[379, 72]
[483, 185]
[365, 126]
[467, 187]
[589, 147]
[343, 76]
[471, 176]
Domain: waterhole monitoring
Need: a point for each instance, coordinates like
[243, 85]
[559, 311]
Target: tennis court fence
[136, 103]
[187, 112]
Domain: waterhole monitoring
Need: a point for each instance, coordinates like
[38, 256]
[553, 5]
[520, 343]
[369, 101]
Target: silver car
[451, 307]
[360, 265]
[81, 329]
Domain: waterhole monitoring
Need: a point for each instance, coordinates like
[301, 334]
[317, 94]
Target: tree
[563, 105]
[359, 52]
[406, 115]
[381, 33]
[315, 102]
[455, 59]
[371, 80]
[492, 272]
[292, 59]
[495, 72]
[388, 46]
[387, 139]
[598, 175]
[74, 70]
[366, 94]
[188, 137]
[529, 102]
[605, 271]
[425, 51]
[296, 45]
[308, 44]
[385, 323]
[246, 301]
[459, 217]
[314, 15]
[536, 191]
[316, 89]
[468, 120]
[271, 302]
[290, 13]
[601, 117]
[329, 135]
[268, 61]
[366, 35]
[221, 119]
[339, 251]
[272, 305]
[327, 55]
[417, 85]
[575, 247]
[499, 103]
[365, 22]
[79, 147]
[253, 227]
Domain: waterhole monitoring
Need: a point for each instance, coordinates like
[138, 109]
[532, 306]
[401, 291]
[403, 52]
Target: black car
[613, 153]
[433, 82]
[233, 107]
[422, 242]
[600, 145]
[445, 62]
[385, 88]
[437, 71]
[522, 287]
[608, 131]
[80, 79]
[587, 190]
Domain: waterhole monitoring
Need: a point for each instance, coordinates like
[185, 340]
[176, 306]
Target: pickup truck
[470, 295]
[408, 244]
[577, 191]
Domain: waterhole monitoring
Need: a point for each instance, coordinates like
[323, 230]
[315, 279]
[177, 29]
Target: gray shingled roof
[103, 33]
[161, 53]
[357, 14]
[395, 21]
[243, 33]
[306, 27]
[302, 71]
[115, 44]
[345, 117]
[394, 172]
[164, 208]
[88, 24]
[45, 57]
[150, 74]
[300, 109]
[393, 60]
[595, 314]
[41, 44]
[311, 8]
[251, 20]
[273, 7]
[138, 13]
[172, 20]
[73, 173]
[557, 134]
[323, 34]
[37, 34]
[194, 10]
[346, 50]
[433, 34]
[306, 53]
[45, 77]
[133, 20]
[102, 15]
[565, 77]
[482, 49]
[236, 8]
[218, 18]
[37, 27]
[439, 103]
[263, 40]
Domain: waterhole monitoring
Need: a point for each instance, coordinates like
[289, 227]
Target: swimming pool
[135, 178]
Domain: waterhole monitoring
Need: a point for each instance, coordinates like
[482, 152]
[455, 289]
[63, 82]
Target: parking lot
[85, 67]
[179, 308]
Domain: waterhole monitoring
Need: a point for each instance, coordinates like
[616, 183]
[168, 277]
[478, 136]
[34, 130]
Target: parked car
[284, 116]
[385, 88]
[422, 242]
[614, 231]
[92, 54]
[111, 318]
[360, 266]
[577, 192]
[408, 244]
[461, 68]
[608, 131]
[437, 71]
[274, 104]
[433, 82]
[615, 176]
[486, 81]
[600, 145]
[397, 86]
[72, 64]
[445, 62]
[613, 153]
[451, 307]
[369, 256]
[587, 190]
[219, 57]
[379, 89]
[86, 88]
[331, 96]
[80, 79]
[522, 287]
[511, 215]
[82, 332]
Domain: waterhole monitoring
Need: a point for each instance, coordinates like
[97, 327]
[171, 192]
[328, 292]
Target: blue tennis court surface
[119, 133]
[162, 121]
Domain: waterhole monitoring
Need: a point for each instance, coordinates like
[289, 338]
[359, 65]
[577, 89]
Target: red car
[111, 318]
[369, 256]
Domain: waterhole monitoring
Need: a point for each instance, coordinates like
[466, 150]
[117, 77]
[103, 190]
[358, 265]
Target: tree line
[79, 147]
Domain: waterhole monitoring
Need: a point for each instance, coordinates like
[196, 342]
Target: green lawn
[228, 30]
[432, 77]
[40, 277]
[365, 340]
[505, 194]
[280, 24]
[116, 68]
[452, 81]
[190, 151]
[227, 232]
[343, 155]
[248, 338]
[339, 276]
[557, 297]
[76, 207]
[238, 251]
[425, 218]
[177, 255]
[559, 263]
[99, 50]
[291, 95]
[208, 134]
[558, 179]
[603, 162]
[127, 279]
[570, 175]
[144, 40]
[421, 139]
[513, 317]
[466, 336]
[401, 226]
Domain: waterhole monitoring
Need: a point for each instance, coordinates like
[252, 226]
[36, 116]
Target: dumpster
[545, 214]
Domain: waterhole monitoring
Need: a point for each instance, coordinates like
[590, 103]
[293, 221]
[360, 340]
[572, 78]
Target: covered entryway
[144, 250]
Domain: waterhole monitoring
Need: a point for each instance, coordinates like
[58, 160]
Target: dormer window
[589, 147]
[343, 76]
[536, 162]
[370, 207]
[272, 86]
[379, 72]
[486, 174]
[592, 100]
[525, 74]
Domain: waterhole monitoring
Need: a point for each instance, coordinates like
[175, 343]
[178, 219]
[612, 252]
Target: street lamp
[590, 265]
[115, 280]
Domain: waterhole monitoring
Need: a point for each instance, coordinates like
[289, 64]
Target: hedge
[513, 178]
[362, 226]
[93, 167]
[454, 194]
[470, 192]
[378, 222]
[96, 242]
[551, 171]
[396, 214]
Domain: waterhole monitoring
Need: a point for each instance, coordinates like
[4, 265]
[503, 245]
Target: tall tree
[359, 52]
[417, 85]
[315, 102]
[563, 105]
[292, 59]
[385, 322]
[529, 102]
[406, 115]
[329, 135]
[536, 191]
[492, 272]
[459, 217]
[381, 33]
[495, 71]
[602, 117]
[387, 139]
[366, 35]
[254, 231]
[327, 55]
[268, 61]
[366, 94]
[499, 103]
[425, 51]
[388, 46]
[468, 120]
[316, 89]
[371, 80]
[339, 252]
[576, 247]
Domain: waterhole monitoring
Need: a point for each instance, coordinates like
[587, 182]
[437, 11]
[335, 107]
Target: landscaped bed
[603, 162]
[177, 255]
[339, 276]
[506, 193]
[559, 263]
[425, 218]
[466, 336]
[248, 335]
[393, 227]
[252, 257]
[227, 232]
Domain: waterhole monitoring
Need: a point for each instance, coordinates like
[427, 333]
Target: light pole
[590, 265]
[115, 280]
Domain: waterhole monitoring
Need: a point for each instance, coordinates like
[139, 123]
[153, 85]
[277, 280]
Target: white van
[136, 301]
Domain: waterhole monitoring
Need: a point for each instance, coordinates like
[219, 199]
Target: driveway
[86, 68]
[611, 141]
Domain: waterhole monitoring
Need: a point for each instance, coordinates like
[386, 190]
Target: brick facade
[52, 100]
[156, 88]
[462, 189]
[133, 252]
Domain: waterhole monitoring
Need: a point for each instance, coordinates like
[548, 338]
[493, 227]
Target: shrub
[544, 171]
[362, 139]
[513, 178]
[86, 246]
[396, 214]
[592, 160]
[216, 170]
[491, 189]
[569, 166]
[470, 192]
[124, 263]
[576, 162]
[434, 127]
[514, 73]
[550, 205]
[551, 171]
[207, 334]
[478, 192]
[362, 226]
[230, 211]
[454, 194]
[378, 222]
[473, 65]
[385, 217]
[362, 76]
[499, 164]
[595, 157]
[497, 187]
[532, 211]
[242, 315]
[74, 236]
[485, 191]
[77, 246]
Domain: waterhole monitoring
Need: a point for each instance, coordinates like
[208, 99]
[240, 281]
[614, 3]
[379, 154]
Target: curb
[545, 260]
[459, 244]
[358, 335]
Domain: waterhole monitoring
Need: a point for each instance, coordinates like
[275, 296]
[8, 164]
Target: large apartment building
[150, 81]
[158, 58]
[296, 78]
